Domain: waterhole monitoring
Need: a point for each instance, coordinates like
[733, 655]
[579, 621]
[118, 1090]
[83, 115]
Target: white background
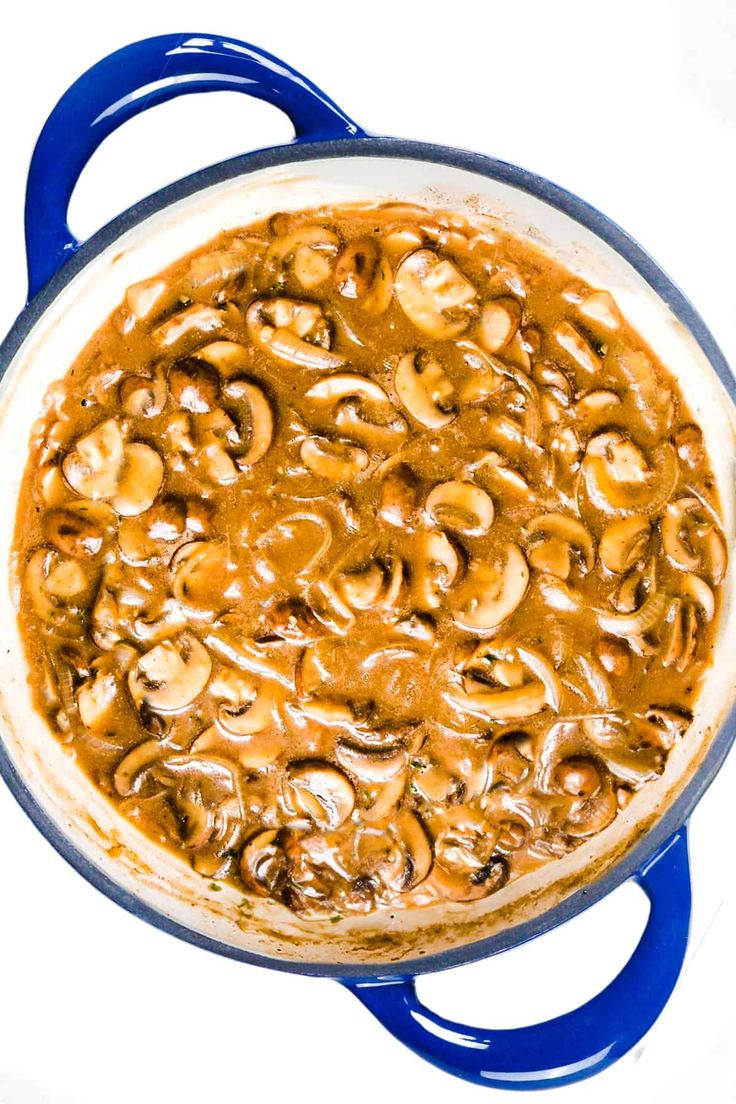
[633, 106]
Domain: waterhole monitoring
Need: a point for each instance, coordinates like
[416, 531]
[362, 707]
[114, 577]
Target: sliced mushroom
[491, 592]
[319, 791]
[461, 506]
[194, 385]
[414, 860]
[190, 323]
[595, 404]
[689, 445]
[600, 307]
[204, 582]
[94, 467]
[576, 346]
[103, 466]
[54, 582]
[302, 538]
[363, 273]
[691, 540]
[361, 588]
[293, 332]
[95, 698]
[399, 497]
[309, 251]
[169, 677]
[425, 390]
[618, 478]
[329, 607]
[260, 419]
[371, 764]
[143, 396]
[499, 321]
[140, 480]
[361, 407]
[623, 543]
[79, 530]
[486, 375]
[336, 461]
[146, 297]
[381, 799]
[263, 866]
[553, 541]
[434, 570]
[434, 294]
[128, 776]
[460, 886]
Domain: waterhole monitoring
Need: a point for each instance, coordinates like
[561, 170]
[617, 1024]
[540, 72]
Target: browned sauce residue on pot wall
[368, 558]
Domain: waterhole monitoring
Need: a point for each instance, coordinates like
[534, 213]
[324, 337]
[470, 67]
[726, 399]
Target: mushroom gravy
[367, 557]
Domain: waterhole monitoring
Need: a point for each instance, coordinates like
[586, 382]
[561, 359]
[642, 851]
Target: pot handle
[572, 1046]
[129, 81]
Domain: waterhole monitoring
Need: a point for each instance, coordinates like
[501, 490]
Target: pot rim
[637, 855]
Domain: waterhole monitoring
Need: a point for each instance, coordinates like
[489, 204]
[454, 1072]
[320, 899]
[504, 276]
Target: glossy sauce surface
[368, 558]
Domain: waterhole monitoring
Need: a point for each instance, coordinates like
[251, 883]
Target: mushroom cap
[336, 461]
[292, 331]
[93, 468]
[461, 506]
[140, 480]
[434, 294]
[491, 592]
[623, 543]
[425, 390]
[260, 419]
[169, 677]
[319, 791]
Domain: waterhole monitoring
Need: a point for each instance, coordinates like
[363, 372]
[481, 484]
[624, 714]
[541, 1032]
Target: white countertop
[631, 105]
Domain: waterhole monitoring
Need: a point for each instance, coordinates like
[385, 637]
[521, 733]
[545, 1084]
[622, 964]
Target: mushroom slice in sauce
[499, 321]
[434, 294]
[54, 581]
[294, 332]
[623, 543]
[425, 390]
[140, 480]
[263, 862]
[169, 677]
[335, 461]
[619, 478]
[492, 591]
[308, 250]
[434, 569]
[128, 775]
[319, 791]
[461, 506]
[362, 273]
[556, 541]
[691, 540]
[360, 408]
[94, 467]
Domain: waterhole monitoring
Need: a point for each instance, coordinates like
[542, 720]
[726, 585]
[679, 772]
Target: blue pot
[569, 1047]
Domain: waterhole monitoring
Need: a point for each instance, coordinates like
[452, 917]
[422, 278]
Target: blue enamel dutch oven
[571, 1046]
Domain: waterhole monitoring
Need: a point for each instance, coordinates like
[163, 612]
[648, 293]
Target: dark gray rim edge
[609, 232]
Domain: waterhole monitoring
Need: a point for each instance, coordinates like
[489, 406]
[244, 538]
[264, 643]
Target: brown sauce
[367, 557]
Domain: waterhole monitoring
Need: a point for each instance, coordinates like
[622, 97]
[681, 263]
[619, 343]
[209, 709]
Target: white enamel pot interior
[81, 815]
